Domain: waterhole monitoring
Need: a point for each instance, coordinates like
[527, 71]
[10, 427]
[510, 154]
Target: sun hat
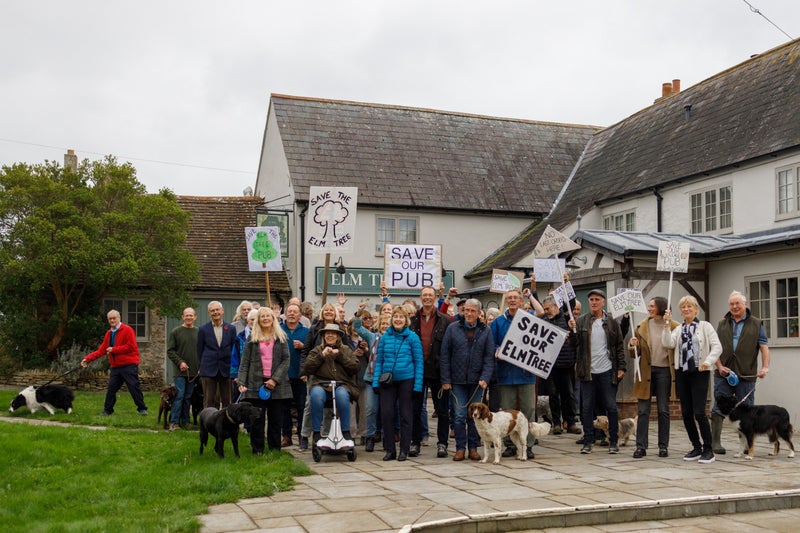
[332, 327]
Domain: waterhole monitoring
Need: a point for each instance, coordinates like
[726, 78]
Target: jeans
[692, 388]
[440, 407]
[600, 390]
[183, 400]
[128, 374]
[742, 389]
[371, 400]
[466, 433]
[319, 396]
[299, 390]
[660, 382]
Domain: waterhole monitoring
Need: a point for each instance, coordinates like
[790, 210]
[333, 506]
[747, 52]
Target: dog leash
[455, 399]
[61, 376]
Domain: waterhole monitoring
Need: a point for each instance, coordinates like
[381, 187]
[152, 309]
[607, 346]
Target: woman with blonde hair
[697, 349]
[265, 361]
[399, 354]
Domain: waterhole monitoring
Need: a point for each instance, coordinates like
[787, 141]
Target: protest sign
[263, 248]
[532, 344]
[564, 293]
[673, 256]
[549, 270]
[629, 301]
[331, 219]
[553, 242]
[505, 280]
[413, 266]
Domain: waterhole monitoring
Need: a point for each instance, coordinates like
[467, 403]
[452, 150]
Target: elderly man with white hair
[743, 337]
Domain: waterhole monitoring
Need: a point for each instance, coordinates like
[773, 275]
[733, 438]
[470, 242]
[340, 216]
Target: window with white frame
[787, 187]
[712, 210]
[395, 230]
[620, 221]
[774, 299]
[132, 312]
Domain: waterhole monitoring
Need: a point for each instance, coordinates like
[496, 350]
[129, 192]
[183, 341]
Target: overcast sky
[189, 81]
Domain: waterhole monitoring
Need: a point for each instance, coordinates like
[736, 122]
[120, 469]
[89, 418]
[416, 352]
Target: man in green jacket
[182, 351]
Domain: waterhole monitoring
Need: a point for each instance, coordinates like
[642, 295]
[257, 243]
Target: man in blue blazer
[215, 341]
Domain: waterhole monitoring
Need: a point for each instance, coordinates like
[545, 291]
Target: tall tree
[70, 238]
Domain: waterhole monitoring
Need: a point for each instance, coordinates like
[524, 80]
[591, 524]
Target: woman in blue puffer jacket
[400, 353]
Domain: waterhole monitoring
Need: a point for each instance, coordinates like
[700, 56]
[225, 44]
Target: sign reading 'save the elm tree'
[532, 344]
[331, 219]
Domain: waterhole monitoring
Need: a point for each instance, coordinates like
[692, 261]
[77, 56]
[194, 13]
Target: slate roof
[216, 239]
[741, 114]
[408, 157]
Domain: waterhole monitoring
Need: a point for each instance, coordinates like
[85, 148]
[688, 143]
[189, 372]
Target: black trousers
[692, 388]
[299, 391]
[270, 415]
[129, 375]
[562, 397]
[441, 405]
[398, 392]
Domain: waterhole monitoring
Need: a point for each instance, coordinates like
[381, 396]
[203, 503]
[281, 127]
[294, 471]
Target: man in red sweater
[119, 344]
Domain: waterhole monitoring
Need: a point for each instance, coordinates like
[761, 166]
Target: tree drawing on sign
[513, 281]
[329, 213]
[263, 250]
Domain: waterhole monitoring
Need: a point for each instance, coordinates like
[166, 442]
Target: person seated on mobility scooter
[331, 361]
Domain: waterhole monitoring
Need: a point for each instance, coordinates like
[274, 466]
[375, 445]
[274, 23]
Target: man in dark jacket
[562, 399]
[431, 326]
[743, 337]
[466, 366]
[215, 341]
[600, 365]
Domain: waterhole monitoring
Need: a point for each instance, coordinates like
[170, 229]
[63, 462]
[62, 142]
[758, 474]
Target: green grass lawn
[132, 476]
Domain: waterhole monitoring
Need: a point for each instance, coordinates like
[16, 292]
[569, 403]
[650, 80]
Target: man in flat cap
[600, 365]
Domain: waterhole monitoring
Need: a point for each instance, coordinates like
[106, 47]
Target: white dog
[493, 427]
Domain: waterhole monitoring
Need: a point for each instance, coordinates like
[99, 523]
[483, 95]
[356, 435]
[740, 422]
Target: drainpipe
[659, 202]
[303, 254]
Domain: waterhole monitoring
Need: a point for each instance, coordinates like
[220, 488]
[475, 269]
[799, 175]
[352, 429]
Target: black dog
[197, 400]
[224, 424]
[168, 394]
[47, 397]
[752, 420]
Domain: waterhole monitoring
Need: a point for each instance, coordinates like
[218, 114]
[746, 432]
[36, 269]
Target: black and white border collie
[47, 397]
[752, 420]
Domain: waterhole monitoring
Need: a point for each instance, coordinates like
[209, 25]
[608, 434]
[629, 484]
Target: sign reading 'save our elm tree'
[628, 301]
[532, 344]
[505, 280]
[413, 266]
[331, 219]
[263, 248]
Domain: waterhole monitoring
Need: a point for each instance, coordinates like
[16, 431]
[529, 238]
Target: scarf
[690, 346]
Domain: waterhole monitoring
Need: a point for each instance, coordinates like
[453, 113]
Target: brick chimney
[676, 86]
[666, 89]
[71, 161]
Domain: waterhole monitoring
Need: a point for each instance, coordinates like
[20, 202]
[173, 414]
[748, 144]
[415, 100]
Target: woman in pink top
[266, 362]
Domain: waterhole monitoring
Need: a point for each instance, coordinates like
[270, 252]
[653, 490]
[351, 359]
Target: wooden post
[325, 278]
[269, 297]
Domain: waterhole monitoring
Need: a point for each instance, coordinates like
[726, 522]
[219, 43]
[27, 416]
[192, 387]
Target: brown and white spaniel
[493, 427]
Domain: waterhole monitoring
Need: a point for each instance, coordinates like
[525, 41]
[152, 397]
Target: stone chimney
[71, 161]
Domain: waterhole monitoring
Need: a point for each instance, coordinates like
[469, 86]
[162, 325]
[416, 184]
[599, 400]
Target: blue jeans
[600, 391]
[371, 400]
[721, 386]
[183, 400]
[466, 434]
[319, 396]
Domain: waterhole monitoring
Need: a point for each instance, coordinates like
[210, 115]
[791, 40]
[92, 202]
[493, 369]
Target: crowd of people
[386, 363]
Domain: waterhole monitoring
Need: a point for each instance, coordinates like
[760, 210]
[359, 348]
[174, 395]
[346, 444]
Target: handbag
[385, 379]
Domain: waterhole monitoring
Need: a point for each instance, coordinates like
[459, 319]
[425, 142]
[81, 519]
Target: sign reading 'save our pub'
[413, 266]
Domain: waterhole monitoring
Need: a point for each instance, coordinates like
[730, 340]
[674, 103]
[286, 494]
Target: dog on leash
[493, 427]
[168, 394]
[627, 427]
[224, 424]
[47, 397]
[752, 420]
[197, 401]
